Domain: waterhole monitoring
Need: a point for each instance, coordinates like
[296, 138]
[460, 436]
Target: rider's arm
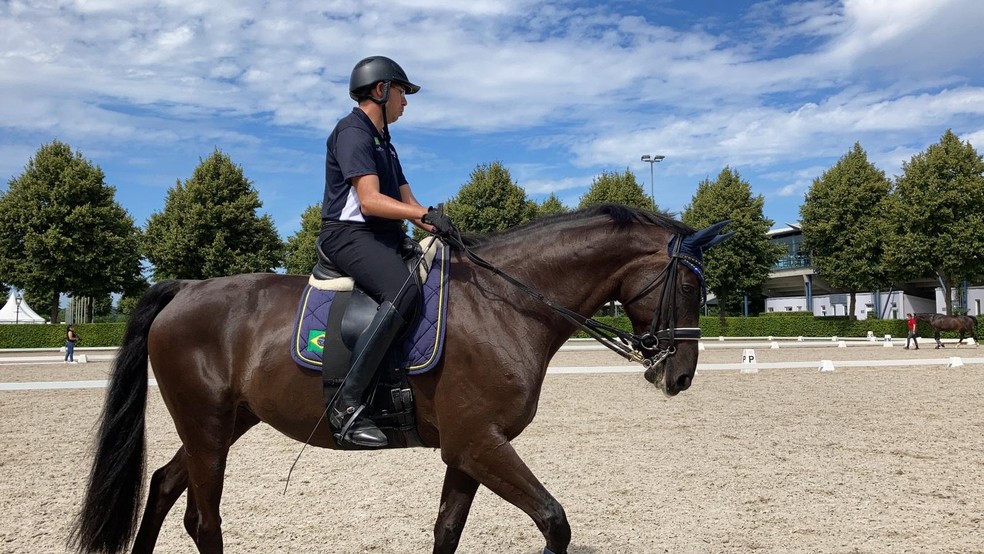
[377, 204]
[409, 198]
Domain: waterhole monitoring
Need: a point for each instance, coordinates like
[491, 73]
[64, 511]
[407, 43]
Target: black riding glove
[441, 222]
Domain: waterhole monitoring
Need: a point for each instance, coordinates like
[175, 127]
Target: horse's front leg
[493, 462]
[456, 500]
[939, 343]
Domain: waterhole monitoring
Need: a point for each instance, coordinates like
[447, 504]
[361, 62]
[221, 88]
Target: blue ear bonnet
[690, 249]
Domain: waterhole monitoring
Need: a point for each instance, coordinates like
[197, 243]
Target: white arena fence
[747, 364]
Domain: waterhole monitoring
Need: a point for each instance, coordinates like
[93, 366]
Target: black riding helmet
[374, 69]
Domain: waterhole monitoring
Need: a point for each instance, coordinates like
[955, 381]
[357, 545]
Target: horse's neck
[576, 273]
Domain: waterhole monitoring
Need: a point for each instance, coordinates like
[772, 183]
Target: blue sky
[558, 91]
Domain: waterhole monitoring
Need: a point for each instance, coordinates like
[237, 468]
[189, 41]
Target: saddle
[334, 312]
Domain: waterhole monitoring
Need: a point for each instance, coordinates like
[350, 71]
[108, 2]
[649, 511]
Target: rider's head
[374, 70]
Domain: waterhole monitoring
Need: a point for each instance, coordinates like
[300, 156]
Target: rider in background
[365, 202]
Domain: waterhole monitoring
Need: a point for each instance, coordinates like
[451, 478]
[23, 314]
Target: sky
[558, 91]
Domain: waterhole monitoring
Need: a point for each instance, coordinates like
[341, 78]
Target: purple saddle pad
[424, 343]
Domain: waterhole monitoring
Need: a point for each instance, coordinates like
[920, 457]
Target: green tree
[552, 205]
[740, 265]
[128, 302]
[490, 201]
[937, 207]
[61, 231]
[210, 227]
[618, 188]
[300, 255]
[842, 218]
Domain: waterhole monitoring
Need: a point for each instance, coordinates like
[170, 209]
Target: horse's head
[664, 303]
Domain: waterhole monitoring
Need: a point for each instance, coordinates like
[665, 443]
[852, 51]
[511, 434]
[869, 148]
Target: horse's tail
[109, 513]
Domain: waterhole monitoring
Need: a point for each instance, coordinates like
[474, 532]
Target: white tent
[18, 312]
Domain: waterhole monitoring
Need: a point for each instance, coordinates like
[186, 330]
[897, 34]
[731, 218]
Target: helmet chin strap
[382, 103]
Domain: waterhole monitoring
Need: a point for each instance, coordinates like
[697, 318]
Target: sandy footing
[885, 459]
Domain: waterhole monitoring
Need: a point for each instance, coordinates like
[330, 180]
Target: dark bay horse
[963, 324]
[220, 353]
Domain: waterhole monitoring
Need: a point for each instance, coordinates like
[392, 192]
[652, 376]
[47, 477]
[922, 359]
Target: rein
[627, 345]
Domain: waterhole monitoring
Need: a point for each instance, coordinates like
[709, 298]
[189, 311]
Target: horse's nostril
[683, 382]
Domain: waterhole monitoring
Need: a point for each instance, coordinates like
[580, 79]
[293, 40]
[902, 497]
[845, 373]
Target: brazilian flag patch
[316, 341]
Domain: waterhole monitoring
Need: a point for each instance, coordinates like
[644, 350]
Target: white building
[795, 286]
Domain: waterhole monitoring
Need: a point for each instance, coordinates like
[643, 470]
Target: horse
[220, 347]
[963, 324]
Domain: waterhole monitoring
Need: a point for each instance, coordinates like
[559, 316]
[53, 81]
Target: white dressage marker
[955, 362]
[826, 365]
[888, 341]
[748, 361]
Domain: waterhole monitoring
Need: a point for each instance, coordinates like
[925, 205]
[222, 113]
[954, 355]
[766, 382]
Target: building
[794, 285]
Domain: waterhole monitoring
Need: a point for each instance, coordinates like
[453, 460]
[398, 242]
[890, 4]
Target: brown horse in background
[963, 324]
[220, 351]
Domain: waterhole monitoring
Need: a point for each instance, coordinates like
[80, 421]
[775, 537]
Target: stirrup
[344, 434]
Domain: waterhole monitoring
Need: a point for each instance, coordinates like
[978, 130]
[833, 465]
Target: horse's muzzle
[657, 376]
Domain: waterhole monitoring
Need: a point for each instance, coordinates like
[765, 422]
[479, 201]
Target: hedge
[111, 334]
[53, 336]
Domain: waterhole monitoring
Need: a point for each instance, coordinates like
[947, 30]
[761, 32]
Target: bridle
[630, 346]
[663, 341]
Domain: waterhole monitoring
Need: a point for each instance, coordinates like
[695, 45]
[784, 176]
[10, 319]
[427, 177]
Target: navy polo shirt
[356, 148]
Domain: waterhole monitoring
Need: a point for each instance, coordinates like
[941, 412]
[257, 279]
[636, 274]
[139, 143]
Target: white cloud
[594, 86]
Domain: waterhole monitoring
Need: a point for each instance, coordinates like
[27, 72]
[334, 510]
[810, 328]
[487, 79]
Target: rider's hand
[436, 218]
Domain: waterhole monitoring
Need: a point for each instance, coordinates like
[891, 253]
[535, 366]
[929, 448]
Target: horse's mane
[620, 214]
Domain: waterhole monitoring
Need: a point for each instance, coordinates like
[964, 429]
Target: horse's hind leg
[939, 343]
[456, 499]
[495, 464]
[166, 486]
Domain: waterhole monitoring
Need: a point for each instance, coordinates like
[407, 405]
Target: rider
[365, 202]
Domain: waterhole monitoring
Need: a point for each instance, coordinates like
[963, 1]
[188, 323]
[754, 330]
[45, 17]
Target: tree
[209, 226]
[61, 231]
[842, 219]
[490, 201]
[552, 205]
[740, 265]
[937, 207]
[619, 188]
[300, 255]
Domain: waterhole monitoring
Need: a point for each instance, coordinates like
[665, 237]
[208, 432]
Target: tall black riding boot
[345, 417]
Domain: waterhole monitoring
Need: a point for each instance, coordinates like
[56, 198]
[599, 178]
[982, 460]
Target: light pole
[17, 300]
[652, 160]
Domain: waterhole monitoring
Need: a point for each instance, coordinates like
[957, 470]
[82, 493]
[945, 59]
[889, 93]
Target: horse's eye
[688, 289]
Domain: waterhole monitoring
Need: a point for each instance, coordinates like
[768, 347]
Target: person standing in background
[70, 338]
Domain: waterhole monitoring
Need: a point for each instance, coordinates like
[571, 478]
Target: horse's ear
[707, 237]
[719, 239]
